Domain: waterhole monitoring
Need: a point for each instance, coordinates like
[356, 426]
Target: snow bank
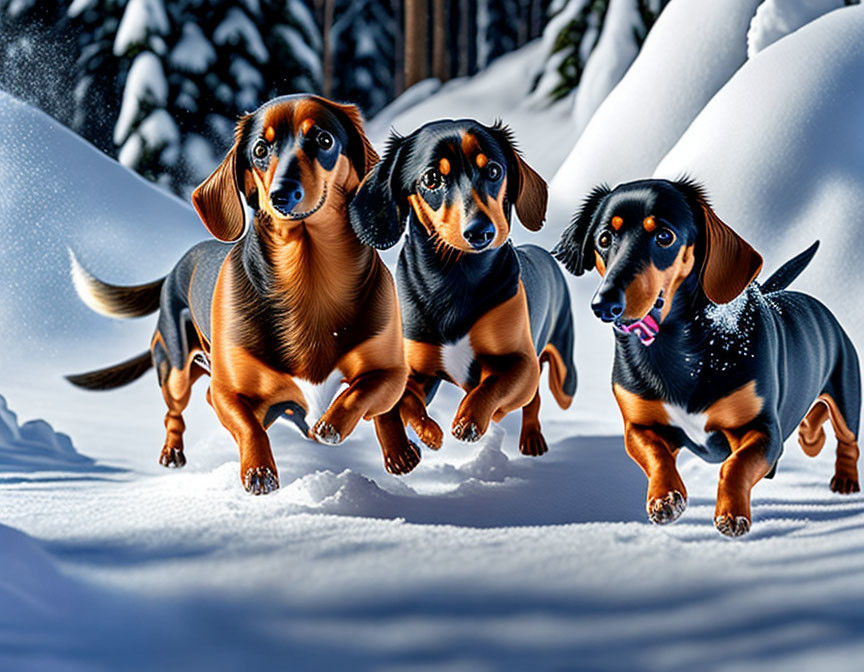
[32, 591]
[691, 51]
[780, 151]
[59, 192]
[777, 18]
[35, 446]
[615, 51]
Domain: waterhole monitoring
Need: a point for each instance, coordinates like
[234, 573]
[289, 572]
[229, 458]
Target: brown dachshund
[291, 301]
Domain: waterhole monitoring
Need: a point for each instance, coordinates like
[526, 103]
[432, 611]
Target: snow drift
[480, 558]
[781, 152]
[35, 446]
[692, 50]
[58, 192]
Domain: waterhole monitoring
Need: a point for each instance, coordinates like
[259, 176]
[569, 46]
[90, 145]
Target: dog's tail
[113, 376]
[786, 274]
[114, 300]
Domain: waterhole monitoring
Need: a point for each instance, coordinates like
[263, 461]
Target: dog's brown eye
[260, 150]
[664, 237]
[494, 171]
[604, 240]
[431, 179]
[324, 140]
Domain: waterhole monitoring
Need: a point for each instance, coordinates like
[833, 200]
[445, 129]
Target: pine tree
[363, 41]
[145, 131]
[99, 74]
[186, 70]
[576, 29]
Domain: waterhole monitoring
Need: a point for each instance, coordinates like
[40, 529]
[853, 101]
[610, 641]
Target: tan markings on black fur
[736, 409]
[599, 263]
[645, 287]
[639, 411]
[557, 375]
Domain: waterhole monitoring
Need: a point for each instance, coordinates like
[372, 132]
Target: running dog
[705, 358]
[477, 311]
[294, 299]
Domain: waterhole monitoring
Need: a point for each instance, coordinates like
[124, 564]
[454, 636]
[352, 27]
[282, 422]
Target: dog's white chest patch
[319, 395]
[457, 359]
[692, 424]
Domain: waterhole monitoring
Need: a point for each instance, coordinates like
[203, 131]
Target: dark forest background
[159, 83]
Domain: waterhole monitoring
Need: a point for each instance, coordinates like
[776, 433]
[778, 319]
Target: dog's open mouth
[644, 328]
[295, 216]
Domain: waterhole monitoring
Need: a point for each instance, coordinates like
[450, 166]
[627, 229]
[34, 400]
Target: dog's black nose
[287, 196]
[608, 304]
[479, 233]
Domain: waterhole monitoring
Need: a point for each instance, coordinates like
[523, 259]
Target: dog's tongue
[646, 329]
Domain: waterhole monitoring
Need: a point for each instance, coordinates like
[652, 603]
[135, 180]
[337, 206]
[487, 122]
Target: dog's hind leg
[842, 396]
[531, 441]
[845, 479]
[176, 385]
[811, 434]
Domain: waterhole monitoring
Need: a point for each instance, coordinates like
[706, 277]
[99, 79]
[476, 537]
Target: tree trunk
[440, 52]
[466, 37]
[327, 55]
[415, 41]
[398, 48]
[536, 18]
[524, 26]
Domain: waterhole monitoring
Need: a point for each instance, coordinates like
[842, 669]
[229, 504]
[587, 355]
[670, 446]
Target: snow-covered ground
[479, 559]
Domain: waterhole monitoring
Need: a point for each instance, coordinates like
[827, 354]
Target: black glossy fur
[788, 342]
[442, 291]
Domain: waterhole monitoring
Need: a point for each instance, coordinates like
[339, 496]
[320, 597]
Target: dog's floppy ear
[576, 248]
[218, 199]
[379, 207]
[526, 189]
[730, 263]
[360, 149]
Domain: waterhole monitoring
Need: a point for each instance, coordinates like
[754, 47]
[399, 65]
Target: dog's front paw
[467, 431]
[172, 457]
[666, 509]
[260, 480]
[326, 433]
[402, 461]
[731, 525]
[428, 432]
[532, 444]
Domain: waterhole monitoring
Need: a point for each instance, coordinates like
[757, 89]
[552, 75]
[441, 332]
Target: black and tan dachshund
[705, 358]
[296, 301]
[476, 311]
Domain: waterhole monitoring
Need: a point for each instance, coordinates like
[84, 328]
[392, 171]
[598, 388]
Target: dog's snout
[608, 304]
[287, 196]
[479, 233]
